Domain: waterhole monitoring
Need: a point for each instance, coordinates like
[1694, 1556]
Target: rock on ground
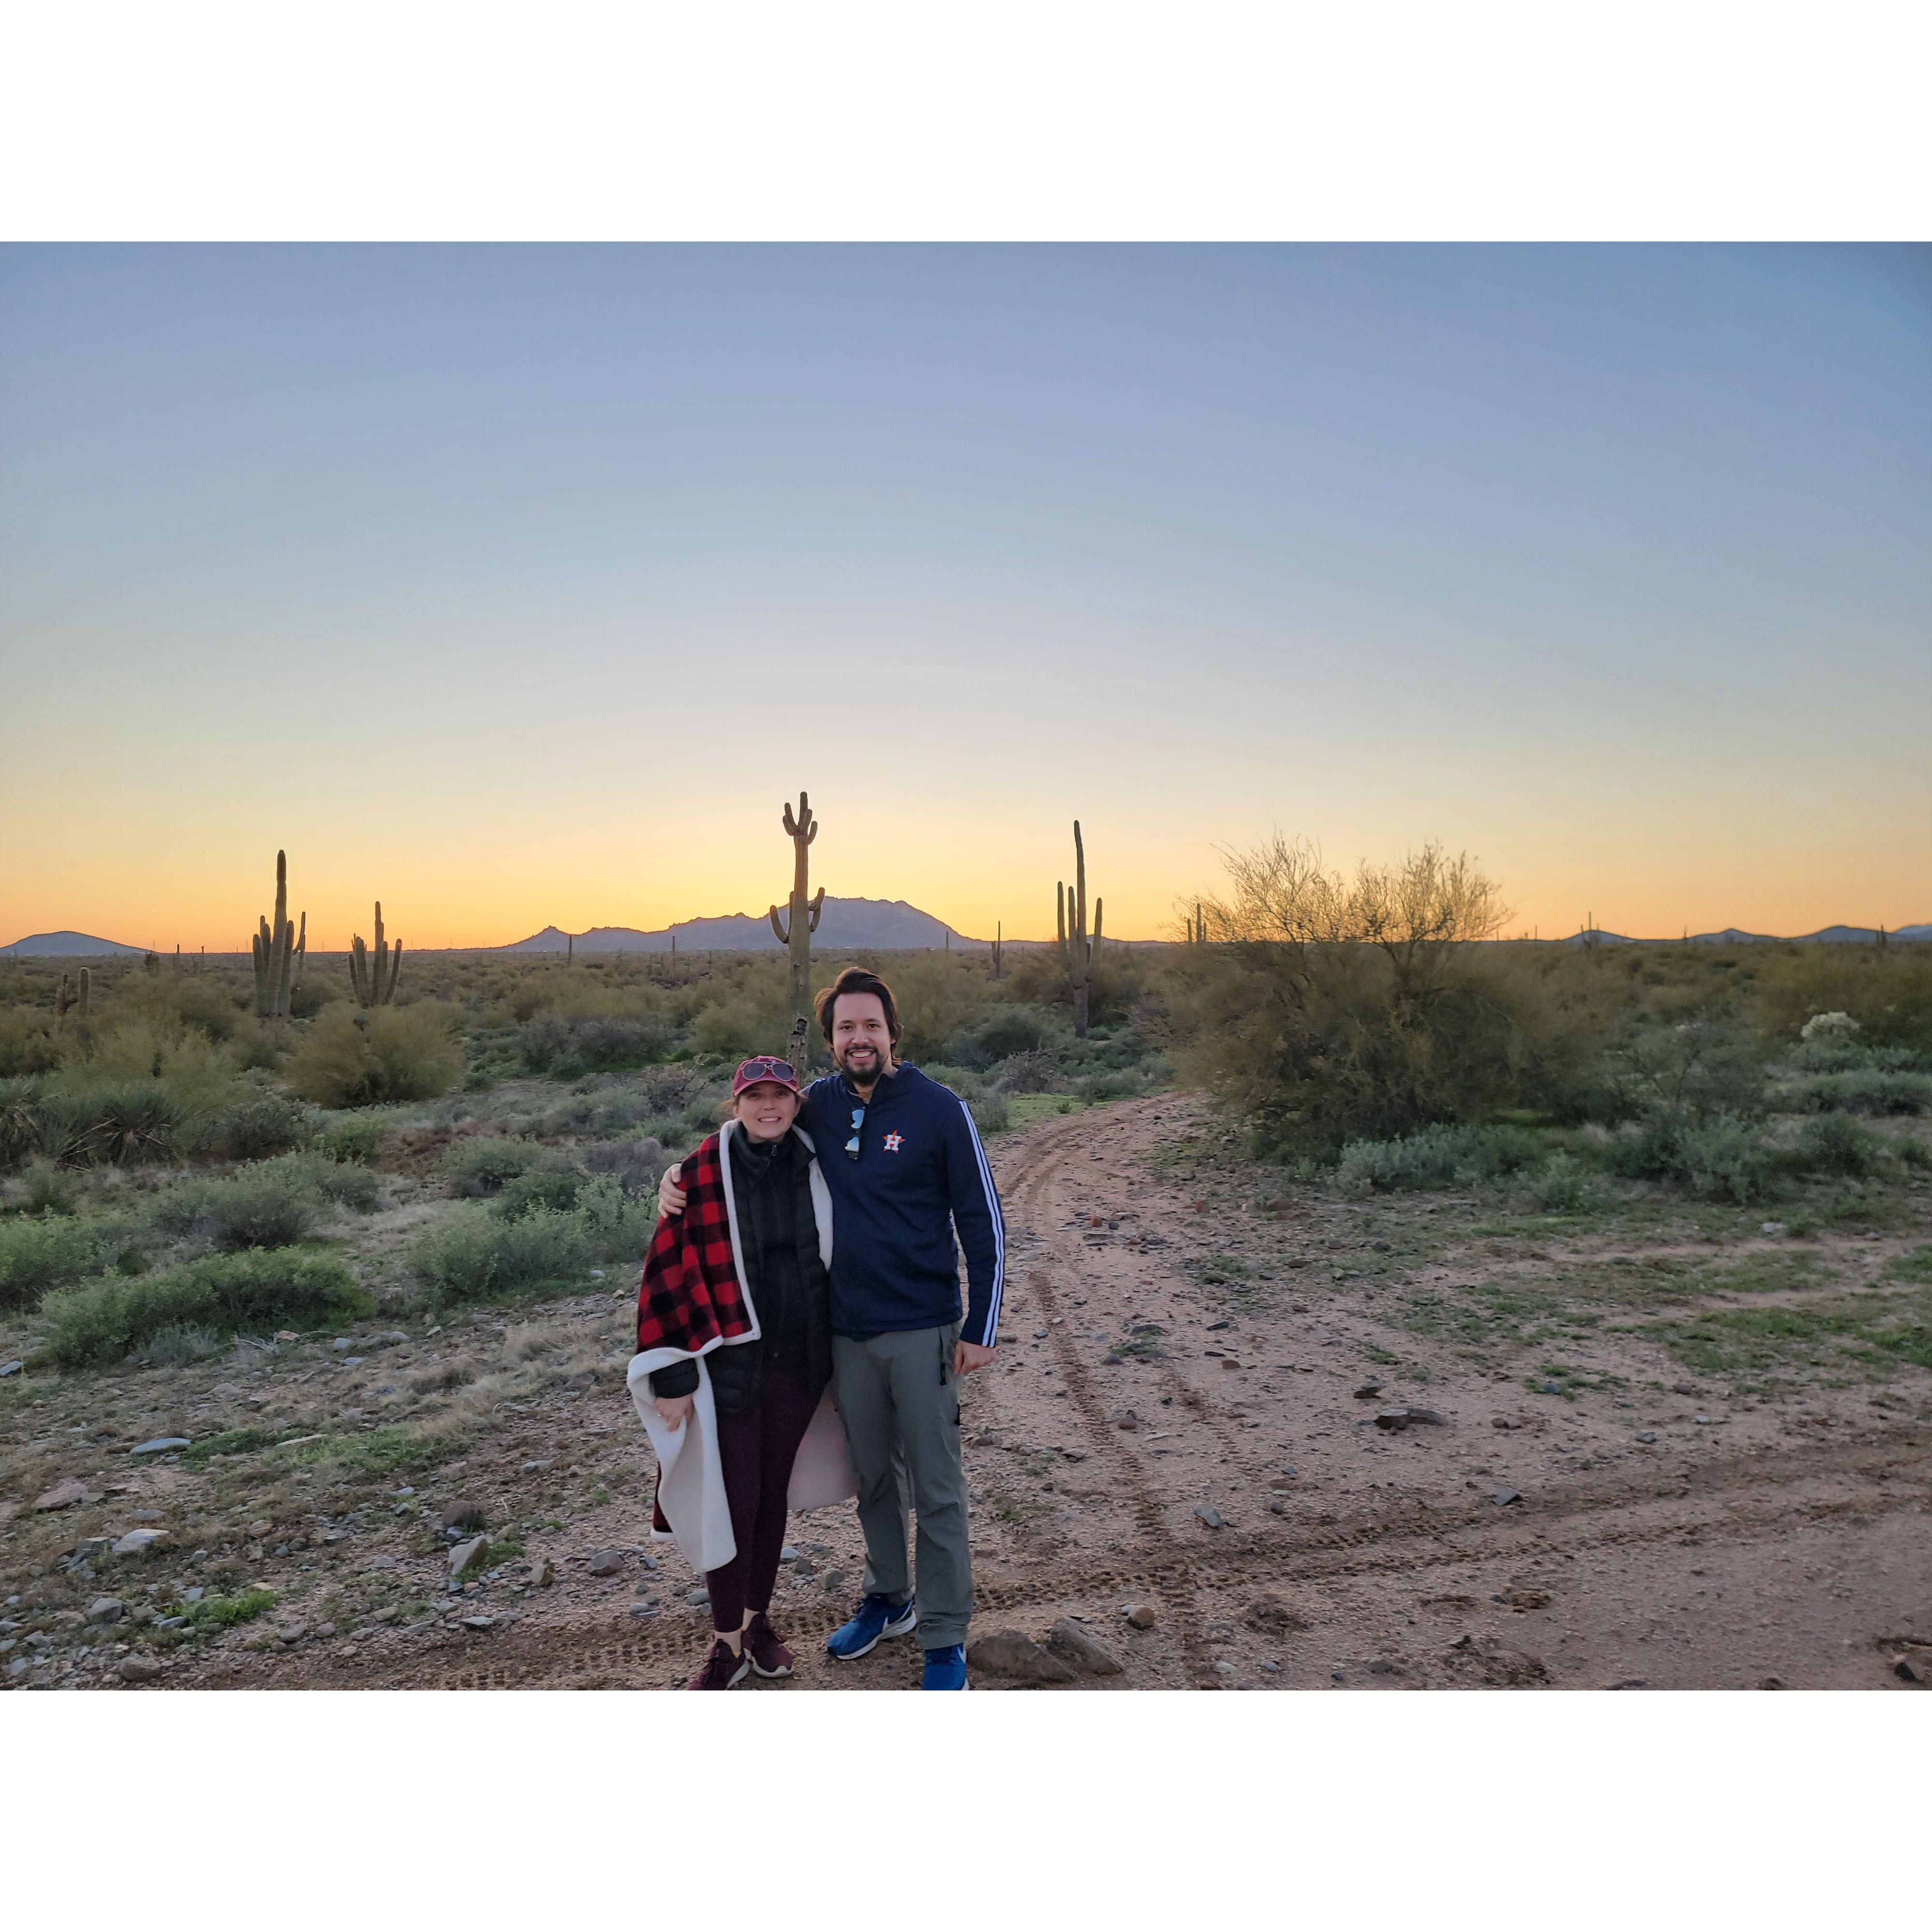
[1012, 1654]
[1072, 1644]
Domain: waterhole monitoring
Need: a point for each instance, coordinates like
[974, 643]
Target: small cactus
[366, 977]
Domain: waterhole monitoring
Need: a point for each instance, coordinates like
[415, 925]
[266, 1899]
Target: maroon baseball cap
[761, 1067]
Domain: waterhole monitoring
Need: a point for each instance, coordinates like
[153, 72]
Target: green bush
[991, 1114]
[1440, 1157]
[481, 1165]
[356, 1059]
[265, 1123]
[1865, 1090]
[103, 1321]
[1837, 1143]
[1565, 1185]
[26, 1042]
[140, 1122]
[36, 1255]
[479, 1253]
[251, 1209]
[351, 1139]
[554, 1181]
[1720, 1157]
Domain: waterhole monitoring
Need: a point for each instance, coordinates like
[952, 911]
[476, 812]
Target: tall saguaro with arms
[796, 928]
[1077, 950]
[279, 954]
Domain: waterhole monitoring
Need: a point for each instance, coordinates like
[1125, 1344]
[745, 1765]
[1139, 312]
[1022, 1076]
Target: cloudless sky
[513, 585]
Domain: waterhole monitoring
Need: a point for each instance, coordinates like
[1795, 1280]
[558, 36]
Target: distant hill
[63, 945]
[886, 924]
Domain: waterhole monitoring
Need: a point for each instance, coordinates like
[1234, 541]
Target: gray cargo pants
[898, 1398]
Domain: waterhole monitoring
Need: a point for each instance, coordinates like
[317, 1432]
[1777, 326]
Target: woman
[734, 1361]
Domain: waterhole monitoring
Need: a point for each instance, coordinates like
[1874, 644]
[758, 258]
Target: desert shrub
[43, 1189]
[1117, 978]
[735, 1027]
[346, 1182]
[351, 1140]
[550, 1043]
[1330, 1011]
[26, 1042]
[264, 1123]
[355, 1059]
[555, 1180]
[1008, 1030]
[1837, 1143]
[176, 1345]
[251, 1209]
[1697, 1069]
[962, 1080]
[1718, 1157]
[1564, 1185]
[1439, 1157]
[480, 1166]
[102, 1322]
[478, 1252]
[636, 1164]
[1867, 1090]
[36, 1255]
[140, 1122]
[1032, 1072]
[991, 1114]
[938, 994]
[21, 1125]
[1887, 994]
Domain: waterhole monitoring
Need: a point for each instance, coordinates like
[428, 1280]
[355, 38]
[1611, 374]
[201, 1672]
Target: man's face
[861, 1045]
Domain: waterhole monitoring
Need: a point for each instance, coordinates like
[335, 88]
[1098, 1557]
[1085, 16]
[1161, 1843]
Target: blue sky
[528, 581]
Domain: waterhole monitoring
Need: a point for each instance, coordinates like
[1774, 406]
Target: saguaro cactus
[795, 930]
[1077, 951]
[366, 976]
[279, 953]
[64, 999]
[999, 946]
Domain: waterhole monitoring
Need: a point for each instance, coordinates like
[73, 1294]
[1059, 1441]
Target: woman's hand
[674, 1409]
[670, 1196]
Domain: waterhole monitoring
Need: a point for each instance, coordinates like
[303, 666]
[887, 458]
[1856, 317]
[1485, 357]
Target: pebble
[1209, 1514]
[159, 1446]
[137, 1542]
[606, 1562]
[835, 1582]
[478, 1623]
[789, 1554]
[641, 1611]
[1142, 1616]
[697, 1596]
[1111, 1361]
[1646, 1436]
[139, 1670]
[544, 1575]
[105, 1610]
[62, 1495]
[341, 1345]
[462, 1516]
[10, 1369]
[648, 1561]
[1507, 1496]
[1224, 1668]
[532, 1468]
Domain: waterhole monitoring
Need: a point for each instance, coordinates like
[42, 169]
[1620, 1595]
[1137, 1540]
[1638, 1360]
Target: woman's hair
[857, 979]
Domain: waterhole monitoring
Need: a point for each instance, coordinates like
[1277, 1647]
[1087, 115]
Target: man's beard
[881, 1061]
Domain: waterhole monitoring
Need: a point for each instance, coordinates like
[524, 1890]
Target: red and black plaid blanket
[690, 1296]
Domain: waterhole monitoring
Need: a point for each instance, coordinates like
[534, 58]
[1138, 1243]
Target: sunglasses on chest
[858, 1123]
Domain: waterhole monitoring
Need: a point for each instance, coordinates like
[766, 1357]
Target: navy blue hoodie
[920, 1175]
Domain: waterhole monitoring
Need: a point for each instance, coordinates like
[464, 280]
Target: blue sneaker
[945, 1668]
[877, 1616]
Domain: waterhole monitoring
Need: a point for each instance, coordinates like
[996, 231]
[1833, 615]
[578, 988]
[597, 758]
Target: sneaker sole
[783, 1670]
[890, 1630]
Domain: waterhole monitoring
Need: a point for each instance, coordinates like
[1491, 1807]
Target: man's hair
[857, 979]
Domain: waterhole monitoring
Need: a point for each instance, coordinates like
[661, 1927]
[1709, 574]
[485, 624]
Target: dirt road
[1175, 1422]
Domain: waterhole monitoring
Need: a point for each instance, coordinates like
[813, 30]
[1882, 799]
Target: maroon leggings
[757, 1446]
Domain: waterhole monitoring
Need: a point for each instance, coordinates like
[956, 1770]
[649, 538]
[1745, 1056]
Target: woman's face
[766, 1111]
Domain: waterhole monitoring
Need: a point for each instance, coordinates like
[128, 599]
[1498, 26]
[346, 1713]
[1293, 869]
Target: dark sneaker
[722, 1669]
[945, 1668]
[877, 1616]
[769, 1658]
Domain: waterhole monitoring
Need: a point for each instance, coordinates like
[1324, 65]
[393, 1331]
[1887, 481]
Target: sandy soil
[1174, 1423]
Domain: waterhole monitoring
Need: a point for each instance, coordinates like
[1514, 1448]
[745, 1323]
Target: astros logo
[893, 1142]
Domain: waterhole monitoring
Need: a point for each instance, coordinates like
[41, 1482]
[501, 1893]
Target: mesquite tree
[279, 954]
[795, 929]
[1077, 951]
[366, 976]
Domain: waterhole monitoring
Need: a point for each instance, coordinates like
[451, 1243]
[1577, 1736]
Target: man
[902, 1160]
